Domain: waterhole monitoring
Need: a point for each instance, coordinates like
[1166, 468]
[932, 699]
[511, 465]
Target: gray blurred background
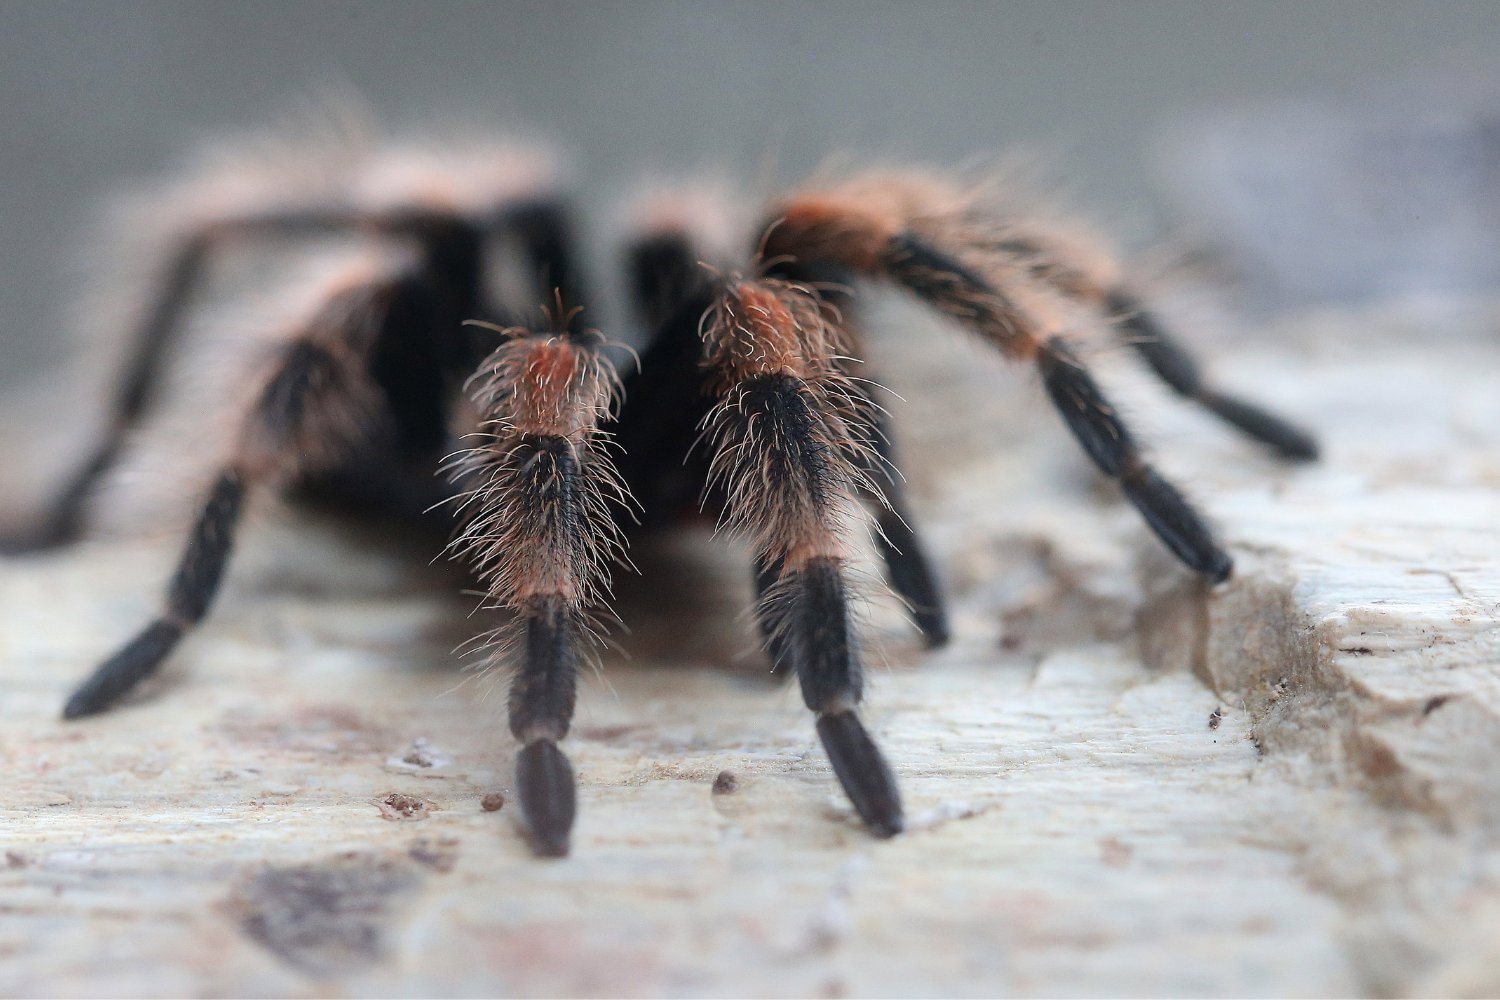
[100, 94]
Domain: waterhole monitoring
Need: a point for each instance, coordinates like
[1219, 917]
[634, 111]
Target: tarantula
[742, 402]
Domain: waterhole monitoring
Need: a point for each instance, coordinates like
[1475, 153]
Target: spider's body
[745, 402]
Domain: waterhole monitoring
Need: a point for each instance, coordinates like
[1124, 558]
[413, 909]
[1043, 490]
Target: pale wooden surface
[1078, 825]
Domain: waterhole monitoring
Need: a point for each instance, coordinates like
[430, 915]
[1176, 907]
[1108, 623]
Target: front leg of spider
[785, 456]
[315, 408]
[540, 536]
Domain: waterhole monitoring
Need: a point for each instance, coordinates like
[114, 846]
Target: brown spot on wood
[15, 859]
[400, 807]
[726, 784]
[1215, 717]
[605, 734]
[1435, 703]
[493, 802]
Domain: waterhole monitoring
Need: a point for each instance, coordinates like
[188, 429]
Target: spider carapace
[560, 446]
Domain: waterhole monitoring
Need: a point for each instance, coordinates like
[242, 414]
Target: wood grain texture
[1119, 782]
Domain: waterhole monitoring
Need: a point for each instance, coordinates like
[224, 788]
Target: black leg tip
[549, 797]
[1287, 440]
[934, 629]
[1303, 450]
[38, 539]
[83, 702]
[863, 773]
[114, 679]
[1177, 524]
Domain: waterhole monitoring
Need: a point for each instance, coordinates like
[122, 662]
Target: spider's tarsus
[123, 671]
[1176, 523]
[1288, 440]
[549, 797]
[863, 772]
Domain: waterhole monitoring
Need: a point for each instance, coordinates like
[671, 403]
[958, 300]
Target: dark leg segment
[1107, 441]
[665, 398]
[191, 591]
[862, 771]
[151, 342]
[307, 410]
[911, 574]
[767, 575]
[120, 673]
[908, 569]
[810, 611]
[1174, 366]
[549, 796]
[810, 606]
[542, 697]
[63, 521]
[961, 292]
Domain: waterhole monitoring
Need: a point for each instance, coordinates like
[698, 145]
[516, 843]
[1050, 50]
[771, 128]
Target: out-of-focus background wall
[97, 94]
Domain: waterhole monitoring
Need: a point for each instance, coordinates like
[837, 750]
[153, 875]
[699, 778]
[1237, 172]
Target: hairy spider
[743, 401]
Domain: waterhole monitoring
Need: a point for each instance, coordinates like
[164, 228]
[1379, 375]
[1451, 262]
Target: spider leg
[764, 577]
[151, 341]
[181, 277]
[1099, 286]
[450, 244]
[784, 439]
[881, 246]
[664, 395]
[908, 570]
[314, 409]
[951, 286]
[1179, 370]
[189, 595]
[540, 537]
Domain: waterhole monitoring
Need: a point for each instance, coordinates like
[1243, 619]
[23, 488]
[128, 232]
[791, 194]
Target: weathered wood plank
[1081, 825]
